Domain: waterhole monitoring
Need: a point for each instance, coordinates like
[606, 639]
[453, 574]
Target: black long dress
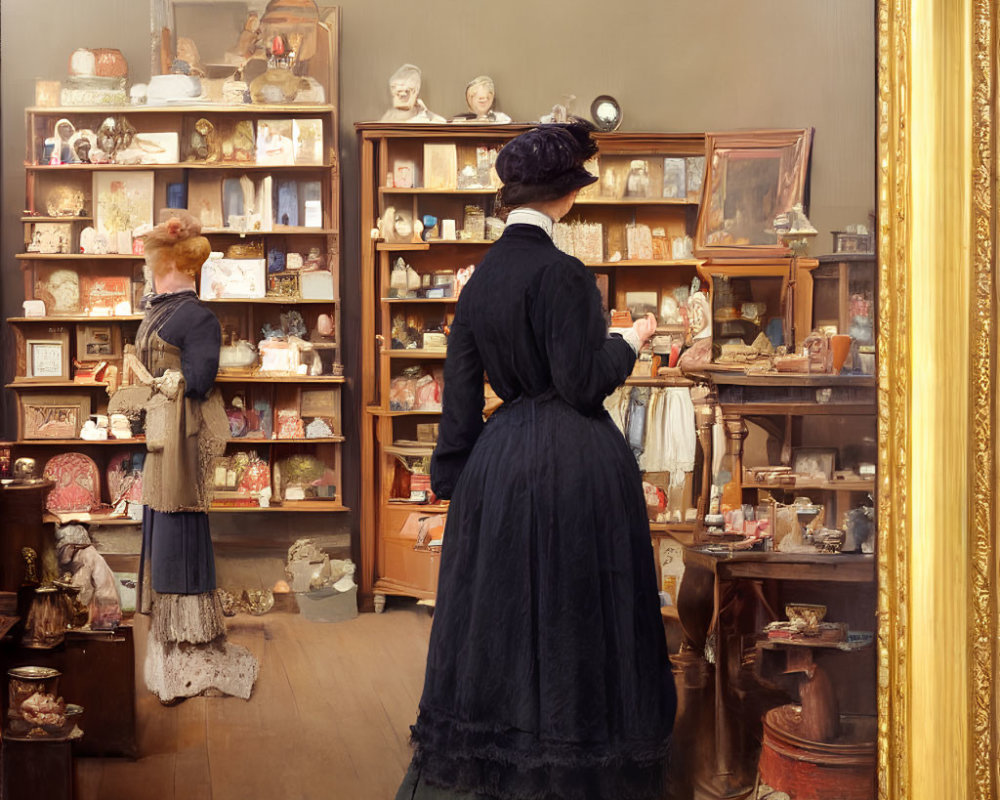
[547, 674]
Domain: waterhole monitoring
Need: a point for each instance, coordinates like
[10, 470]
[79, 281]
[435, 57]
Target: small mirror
[606, 113]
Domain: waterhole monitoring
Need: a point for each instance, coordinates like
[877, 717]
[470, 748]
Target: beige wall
[674, 65]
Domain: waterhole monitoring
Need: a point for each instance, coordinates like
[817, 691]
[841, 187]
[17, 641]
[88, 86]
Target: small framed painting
[46, 360]
[122, 202]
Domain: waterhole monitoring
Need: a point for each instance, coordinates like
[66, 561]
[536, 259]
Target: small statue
[30, 566]
[479, 95]
[404, 86]
[204, 143]
[81, 146]
[62, 152]
[699, 354]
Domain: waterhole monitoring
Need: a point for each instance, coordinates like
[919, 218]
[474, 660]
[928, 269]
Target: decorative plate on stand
[77, 483]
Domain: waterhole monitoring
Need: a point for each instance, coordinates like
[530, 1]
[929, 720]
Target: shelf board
[23, 384]
[642, 262]
[741, 378]
[78, 257]
[375, 411]
[410, 246]
[403, 246]
[78, 318]
[832, 486]
[415, 353]
[634, 201]
[228, 166]
[660, 381]
[420, 300]
[683, 532]
[90, 519]
[312, 506]
[80, 442]
[335, 379]
[43, 218]
[254, 109]
[251, 441]
[277, 301]
[422, 190]
[797, 409]
[432, 508]
[278, 230]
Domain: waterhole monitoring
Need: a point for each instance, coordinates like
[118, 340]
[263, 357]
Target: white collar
[523, 215]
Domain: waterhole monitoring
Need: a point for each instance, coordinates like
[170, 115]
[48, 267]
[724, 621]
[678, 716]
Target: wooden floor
[329, 717]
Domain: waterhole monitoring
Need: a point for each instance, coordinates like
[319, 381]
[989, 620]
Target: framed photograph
[51, 237]
[52, 416]
[97, 342]
[641, 303]
[275, 145]
[674, 179]
[440, 166]
[750, 178]
[122, 202]
[46, 360]
[307, 141]
[814, 463]
[205, 199]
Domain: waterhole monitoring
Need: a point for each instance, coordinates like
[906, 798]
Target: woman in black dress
[547, 674]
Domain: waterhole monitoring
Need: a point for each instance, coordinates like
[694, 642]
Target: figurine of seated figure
[404, 86]
[479, 95]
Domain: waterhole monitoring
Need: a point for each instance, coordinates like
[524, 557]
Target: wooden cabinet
[632, 228]
[276, 215]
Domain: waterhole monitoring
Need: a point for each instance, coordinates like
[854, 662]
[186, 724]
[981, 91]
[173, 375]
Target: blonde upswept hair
[177, 243]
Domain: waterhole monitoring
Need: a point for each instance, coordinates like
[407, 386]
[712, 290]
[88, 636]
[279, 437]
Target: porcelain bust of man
[404, 86]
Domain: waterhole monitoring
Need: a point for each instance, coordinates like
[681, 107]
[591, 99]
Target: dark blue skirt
[177, 554]
[547, 672]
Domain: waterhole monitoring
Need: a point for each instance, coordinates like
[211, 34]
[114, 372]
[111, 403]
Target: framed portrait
[97, 342]
[122, 202]
[750, 178]
[52, 416]
[814, 463]
[46, 360]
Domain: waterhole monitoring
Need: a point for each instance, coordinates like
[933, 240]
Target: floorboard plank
[328, 718]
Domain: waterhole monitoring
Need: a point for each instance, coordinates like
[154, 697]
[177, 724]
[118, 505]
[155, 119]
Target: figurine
[81, 143]
[479, 95]
[204, 143]
[699, 354]
[62, 152]
[90, 574]
[404, 86]
[187, 56]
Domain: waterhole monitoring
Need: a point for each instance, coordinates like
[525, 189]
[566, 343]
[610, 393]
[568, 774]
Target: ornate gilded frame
[938, 556]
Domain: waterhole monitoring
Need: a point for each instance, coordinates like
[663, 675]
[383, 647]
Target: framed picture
[97, 342]
[46, 360]
[750, 177]
[122, 202]
[815, 463]
[106, 295]
[52, 416]
[307, 141]
[275, 146]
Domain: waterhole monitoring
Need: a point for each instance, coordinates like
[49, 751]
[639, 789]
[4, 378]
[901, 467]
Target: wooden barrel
[808, 770]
